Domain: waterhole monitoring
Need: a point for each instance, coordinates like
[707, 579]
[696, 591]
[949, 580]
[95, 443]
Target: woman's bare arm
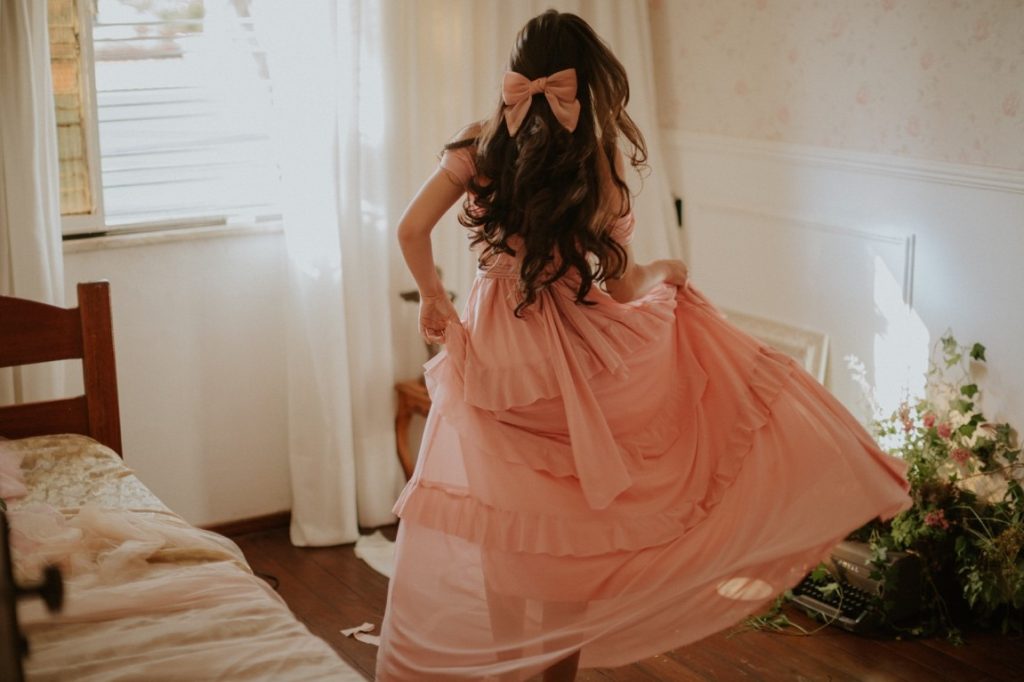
[438, 194]
[639, 279]
[431, 202]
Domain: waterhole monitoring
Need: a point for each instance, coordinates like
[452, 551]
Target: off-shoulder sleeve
[458, 164]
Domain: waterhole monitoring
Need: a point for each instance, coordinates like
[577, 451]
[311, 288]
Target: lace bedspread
[69, 470]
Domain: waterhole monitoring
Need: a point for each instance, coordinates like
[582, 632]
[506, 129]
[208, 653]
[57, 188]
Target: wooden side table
[412, 399]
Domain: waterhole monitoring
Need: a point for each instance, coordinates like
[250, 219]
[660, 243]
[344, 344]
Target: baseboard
[253, 524]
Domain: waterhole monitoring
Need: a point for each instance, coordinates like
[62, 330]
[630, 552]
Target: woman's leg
[564, 670]
[508, 623]
[559, 616]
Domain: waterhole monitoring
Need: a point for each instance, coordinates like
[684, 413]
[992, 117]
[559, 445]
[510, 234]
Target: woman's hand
[436, 312]
[673, 271]
[641, 279]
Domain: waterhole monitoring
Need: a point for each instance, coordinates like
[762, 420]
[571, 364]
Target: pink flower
[944, 430]
[960, 455]
[904, 415]
[929, 420]
[936, 519]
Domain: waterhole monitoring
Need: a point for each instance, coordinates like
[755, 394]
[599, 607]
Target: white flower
[984, 431]
[958, 419]
[947, 469]
[991, 488]
[1014, 470]
[942, 395]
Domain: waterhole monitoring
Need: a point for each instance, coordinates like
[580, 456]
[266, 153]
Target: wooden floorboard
[329, 589]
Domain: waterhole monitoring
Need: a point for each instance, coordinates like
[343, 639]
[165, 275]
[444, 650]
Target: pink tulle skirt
[618, 479]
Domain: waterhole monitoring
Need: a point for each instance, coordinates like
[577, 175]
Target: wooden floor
[330, 589]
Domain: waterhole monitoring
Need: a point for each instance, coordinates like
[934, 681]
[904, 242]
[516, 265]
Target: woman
[610, 469]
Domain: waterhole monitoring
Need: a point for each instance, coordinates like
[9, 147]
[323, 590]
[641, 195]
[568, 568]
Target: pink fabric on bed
[12, 483]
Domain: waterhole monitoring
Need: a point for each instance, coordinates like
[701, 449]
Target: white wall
[200, 347]
[838, 241]
[839, 160]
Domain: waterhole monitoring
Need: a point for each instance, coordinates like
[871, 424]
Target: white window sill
[165, 236]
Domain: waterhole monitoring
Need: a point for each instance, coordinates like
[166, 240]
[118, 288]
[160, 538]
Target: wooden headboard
[32, 332]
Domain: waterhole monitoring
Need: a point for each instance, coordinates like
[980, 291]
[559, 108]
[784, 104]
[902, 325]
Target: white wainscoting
[883, 254]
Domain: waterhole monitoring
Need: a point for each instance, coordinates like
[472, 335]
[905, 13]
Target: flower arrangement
[967, 522]
[966, 525]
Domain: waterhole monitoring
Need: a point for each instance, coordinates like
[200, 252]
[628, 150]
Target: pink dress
[621, 479]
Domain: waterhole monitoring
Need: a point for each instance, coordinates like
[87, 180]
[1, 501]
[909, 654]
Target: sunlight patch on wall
[901, 342]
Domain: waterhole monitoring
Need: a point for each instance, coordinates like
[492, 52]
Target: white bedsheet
[148, 596]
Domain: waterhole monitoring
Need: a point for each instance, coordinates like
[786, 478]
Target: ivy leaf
[969, 390]
[962, 405]
[829, 589]
[819, 573]
[961, 544]
[978, 352]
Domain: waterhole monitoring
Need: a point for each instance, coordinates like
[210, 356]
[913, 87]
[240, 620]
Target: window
[170, 124]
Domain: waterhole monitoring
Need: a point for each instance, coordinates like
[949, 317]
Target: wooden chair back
[32, 332]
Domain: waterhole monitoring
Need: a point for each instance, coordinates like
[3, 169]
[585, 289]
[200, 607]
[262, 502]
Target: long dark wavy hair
[547, 185]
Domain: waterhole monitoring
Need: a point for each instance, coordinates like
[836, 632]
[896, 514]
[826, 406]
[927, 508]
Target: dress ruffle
[612, 479]
[457, 513]
[453, 509]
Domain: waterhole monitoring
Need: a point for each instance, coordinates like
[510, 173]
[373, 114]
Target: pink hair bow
[559, 88]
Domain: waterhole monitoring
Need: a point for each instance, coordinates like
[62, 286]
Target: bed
[147, 595]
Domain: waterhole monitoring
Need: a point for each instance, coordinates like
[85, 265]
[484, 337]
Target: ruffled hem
[456, 512]
[553, 455]
[770, 373]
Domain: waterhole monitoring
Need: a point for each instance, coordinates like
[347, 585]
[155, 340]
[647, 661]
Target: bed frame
[32, 332]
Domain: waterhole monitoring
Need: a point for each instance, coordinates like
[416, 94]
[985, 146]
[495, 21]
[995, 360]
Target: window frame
[84, 226]
[95, 222]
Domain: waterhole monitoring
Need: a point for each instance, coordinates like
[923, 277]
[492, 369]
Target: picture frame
[806, 346]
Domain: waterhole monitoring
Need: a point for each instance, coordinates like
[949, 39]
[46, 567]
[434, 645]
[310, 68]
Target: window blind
[182, 107]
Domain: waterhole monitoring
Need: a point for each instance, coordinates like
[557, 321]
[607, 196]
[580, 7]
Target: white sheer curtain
[366, 94]
[325, 61]
[31, 260]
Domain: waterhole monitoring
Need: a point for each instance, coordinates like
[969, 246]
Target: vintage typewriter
[856, 605]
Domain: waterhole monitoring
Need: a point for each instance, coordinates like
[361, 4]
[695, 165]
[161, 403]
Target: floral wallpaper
[931, 79]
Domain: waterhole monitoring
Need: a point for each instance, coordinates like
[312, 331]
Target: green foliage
[978, 352]
[966, 524]
[968, 503]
